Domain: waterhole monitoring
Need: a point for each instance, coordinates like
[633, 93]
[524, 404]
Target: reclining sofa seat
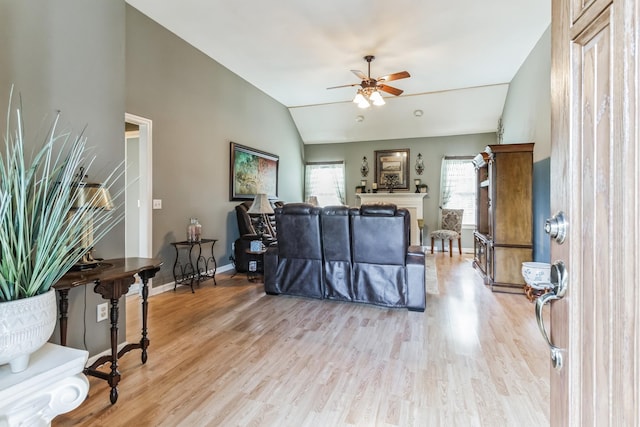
[336, 251]
[294, 266]
[386, 269]
[364, 256]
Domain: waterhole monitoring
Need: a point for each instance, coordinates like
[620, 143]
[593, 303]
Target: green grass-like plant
[39, 230]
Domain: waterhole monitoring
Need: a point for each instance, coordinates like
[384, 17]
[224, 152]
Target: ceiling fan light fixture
[376, 98]
[369, 93]
[364, 104]
[359, 97]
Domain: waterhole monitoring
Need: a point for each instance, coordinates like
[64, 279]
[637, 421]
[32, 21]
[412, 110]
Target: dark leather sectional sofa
[346, 254]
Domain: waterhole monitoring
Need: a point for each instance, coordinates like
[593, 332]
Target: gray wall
[68, 55]
[527, 118]
[432, 150]
[198, 107]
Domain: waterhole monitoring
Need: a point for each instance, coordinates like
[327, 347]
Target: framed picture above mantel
[252, 172]
[392, 170]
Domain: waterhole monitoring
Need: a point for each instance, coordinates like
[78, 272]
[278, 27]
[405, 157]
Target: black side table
[256, 264]
[204, 267]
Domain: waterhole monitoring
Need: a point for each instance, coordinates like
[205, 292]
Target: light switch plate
[157, 203]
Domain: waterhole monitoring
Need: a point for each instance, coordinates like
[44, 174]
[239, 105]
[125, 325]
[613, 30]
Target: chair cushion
[444, 235]
[452, 219]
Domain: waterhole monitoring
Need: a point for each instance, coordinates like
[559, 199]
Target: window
[458, 187]
[325, 180]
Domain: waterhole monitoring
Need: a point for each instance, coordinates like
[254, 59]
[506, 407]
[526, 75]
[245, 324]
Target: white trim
[107, 352]
[169, 286]
[146, 180]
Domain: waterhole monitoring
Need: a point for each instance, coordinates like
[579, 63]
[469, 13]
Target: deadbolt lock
[556, 227]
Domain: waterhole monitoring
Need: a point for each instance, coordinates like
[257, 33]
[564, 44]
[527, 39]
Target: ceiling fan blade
[390, 89]
[336, 87]
[360, 74]
[394, 76]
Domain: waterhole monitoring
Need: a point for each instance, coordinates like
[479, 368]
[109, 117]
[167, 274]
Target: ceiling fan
[369, 87]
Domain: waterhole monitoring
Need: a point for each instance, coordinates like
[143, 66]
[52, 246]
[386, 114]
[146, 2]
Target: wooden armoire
[503, 239]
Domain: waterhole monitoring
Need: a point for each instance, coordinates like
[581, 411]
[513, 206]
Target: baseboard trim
[92, 359]
[155, 290]
[437, 249]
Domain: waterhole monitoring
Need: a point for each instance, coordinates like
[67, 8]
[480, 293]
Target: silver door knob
[556, 227]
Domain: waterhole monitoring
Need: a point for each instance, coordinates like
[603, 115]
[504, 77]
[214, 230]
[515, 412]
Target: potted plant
[41, 226]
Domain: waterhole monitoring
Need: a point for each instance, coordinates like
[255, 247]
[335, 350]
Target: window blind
[458, 187]
[325, 180]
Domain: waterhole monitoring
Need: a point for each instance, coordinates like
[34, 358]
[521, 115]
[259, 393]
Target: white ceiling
[461, 54]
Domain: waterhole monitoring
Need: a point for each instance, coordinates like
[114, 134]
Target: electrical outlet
[157, 203]
[103, 312]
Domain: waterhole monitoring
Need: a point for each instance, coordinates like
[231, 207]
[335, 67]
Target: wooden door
[595, 181]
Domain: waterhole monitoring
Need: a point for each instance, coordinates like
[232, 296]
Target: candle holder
[417, 183]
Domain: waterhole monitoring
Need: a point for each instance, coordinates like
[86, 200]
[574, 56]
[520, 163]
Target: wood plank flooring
[232, 356]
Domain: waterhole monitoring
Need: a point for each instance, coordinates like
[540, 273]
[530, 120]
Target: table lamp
[261, 207]
[88, 198]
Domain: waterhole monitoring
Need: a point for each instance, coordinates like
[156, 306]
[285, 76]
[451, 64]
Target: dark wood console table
[112, 279]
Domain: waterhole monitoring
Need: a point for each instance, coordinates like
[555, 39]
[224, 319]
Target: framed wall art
[252, 172]
[392, 172]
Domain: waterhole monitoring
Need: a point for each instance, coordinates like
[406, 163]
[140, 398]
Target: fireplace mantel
[412, 201]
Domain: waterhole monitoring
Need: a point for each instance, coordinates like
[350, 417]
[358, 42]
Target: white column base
[53, 384]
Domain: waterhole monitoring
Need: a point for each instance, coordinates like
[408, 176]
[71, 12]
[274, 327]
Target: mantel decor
[252, 172]
[391, 168]
[364, 168]
[419, 164]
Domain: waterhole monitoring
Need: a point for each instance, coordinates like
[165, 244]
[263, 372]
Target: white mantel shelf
[412, 201]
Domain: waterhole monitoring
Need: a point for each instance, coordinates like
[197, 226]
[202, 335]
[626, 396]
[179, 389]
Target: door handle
[559, 279]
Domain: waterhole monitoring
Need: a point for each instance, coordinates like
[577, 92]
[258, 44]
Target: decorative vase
[25, 326]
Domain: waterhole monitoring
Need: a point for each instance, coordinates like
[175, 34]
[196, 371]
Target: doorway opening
[138, 193]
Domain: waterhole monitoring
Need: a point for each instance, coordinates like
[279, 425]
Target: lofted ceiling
[461, 54]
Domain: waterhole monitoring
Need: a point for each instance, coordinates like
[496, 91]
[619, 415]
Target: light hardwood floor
[232, 356]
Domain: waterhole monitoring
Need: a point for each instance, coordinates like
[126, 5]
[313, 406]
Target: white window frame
[326, 196]
[461, 192]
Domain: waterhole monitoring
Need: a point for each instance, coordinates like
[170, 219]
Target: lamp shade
[312, 200]
[376, 98]
[261, 205]
[92, 196]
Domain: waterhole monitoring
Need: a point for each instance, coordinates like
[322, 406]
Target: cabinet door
[480, 257]
[507, 264]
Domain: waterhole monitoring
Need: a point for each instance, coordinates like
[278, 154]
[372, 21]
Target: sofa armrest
[416, 292]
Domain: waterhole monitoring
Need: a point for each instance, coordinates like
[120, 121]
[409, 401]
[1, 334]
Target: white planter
[25, 326]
